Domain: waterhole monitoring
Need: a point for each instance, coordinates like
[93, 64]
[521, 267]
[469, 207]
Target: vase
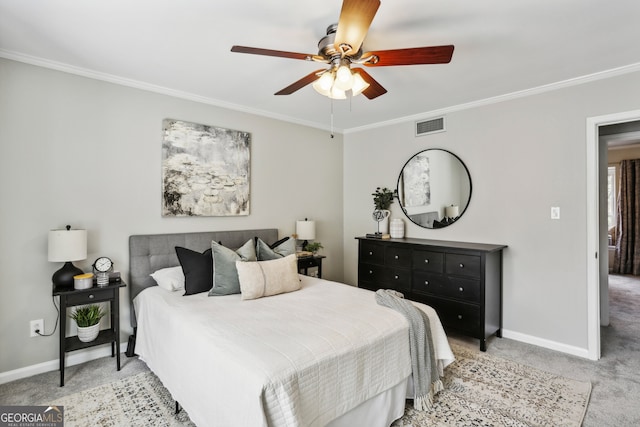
[396, 228]
[381, 216]
[88, 333]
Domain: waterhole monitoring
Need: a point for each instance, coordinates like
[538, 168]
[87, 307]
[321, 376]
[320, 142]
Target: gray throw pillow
[280, 249]
[225, 274]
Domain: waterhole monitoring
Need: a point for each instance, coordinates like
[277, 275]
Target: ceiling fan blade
[411, 56]
[277, 53]
[355, 18]
[309, 78]
[375, 89]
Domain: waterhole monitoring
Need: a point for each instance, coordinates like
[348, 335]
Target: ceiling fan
[342, 47]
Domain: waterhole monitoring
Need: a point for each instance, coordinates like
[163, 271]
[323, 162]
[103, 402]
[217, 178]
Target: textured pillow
[265, 278]
[279, 249]
[171, 279]
[197, 268]
[225, 274]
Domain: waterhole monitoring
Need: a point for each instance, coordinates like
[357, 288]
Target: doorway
[597, 243]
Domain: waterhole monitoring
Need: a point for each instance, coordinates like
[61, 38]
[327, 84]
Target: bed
[326, 354]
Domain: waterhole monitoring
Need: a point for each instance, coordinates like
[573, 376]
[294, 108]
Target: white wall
[87, 153]
[524, 156]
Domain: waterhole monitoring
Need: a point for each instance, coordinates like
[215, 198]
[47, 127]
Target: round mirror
[434, 188]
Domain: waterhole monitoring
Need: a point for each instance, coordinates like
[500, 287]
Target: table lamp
[305, 230]
[66, 246]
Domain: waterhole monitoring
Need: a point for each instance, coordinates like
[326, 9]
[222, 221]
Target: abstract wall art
[205, 170]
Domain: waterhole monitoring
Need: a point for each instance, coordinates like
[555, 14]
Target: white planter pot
[89, 333]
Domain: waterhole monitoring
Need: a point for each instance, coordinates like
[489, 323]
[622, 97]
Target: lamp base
[64, 276]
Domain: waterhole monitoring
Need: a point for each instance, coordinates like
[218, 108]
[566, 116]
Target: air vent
[430, 126]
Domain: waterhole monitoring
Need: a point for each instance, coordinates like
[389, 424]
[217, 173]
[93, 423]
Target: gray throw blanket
[426, 381]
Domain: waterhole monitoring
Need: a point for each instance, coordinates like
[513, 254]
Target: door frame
[593, 228]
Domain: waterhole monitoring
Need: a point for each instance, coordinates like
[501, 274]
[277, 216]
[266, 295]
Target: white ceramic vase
[397, 228]
[89, 333]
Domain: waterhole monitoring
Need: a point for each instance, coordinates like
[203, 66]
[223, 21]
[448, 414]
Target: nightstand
[305, 263]
[70, 297]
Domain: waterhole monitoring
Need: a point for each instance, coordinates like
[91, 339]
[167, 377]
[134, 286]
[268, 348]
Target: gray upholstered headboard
[151, 252]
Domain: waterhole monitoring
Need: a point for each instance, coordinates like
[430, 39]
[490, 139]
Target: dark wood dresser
[461, 281]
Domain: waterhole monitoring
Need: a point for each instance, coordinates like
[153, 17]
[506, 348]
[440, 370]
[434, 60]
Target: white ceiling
[182, 47]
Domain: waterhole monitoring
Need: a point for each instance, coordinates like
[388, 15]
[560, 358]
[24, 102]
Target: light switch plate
[555, 212]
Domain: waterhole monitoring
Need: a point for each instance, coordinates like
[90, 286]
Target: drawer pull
[461, 289]
[370, 272]
[370, 252]
[426, 261]
[459, 316]
[395, 277]
[461, 265]
[396, 257]
[426, 282]
[91, 296]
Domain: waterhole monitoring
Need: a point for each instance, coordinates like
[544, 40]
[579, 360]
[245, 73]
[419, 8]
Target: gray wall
[87, 153]
[524, 155]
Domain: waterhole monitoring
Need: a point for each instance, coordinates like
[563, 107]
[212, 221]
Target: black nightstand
[305, 263]
[70, 297]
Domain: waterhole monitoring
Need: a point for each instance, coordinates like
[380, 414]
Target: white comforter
[297, 359]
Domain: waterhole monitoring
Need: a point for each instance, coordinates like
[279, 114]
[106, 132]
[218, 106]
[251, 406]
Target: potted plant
[88, 320]
[314, 247]
[382, 199]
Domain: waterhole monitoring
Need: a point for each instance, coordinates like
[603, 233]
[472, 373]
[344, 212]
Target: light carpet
[480, 390]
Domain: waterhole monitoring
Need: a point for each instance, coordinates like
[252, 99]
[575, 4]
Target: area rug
[483, 390]
[480, 390]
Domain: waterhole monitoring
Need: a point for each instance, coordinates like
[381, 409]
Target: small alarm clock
[102, 267]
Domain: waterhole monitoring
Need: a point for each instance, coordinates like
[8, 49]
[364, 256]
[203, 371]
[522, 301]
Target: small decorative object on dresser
[397, 228]
[382, 199]
[461, 281]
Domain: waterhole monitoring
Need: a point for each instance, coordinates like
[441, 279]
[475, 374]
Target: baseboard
[551, 345]
[75, 358]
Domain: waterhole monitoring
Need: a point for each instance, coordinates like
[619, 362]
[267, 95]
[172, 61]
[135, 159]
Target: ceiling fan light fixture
[324, 84]
[359, 84]
[337, 93]
[344, 78]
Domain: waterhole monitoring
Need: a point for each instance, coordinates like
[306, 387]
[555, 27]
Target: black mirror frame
[444, 222]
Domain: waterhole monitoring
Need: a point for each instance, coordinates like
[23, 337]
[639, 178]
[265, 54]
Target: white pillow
[171, 279]
[264, 278]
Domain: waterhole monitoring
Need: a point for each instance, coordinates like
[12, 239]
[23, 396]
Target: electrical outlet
[555, 212]
[36, 325]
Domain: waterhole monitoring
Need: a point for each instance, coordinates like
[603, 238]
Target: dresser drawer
[371, 253]
[90, 297]
[371, 273]
[397, 257]
[398, 279]
[429, 283]
[459, 316]
[428, 261]
[463, 265]
[463, 289]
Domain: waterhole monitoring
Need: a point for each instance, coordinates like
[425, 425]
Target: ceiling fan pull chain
[331, 100]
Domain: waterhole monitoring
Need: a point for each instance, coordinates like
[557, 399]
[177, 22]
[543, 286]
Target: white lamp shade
[306, 230]
[451, 211]
[67, 245]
